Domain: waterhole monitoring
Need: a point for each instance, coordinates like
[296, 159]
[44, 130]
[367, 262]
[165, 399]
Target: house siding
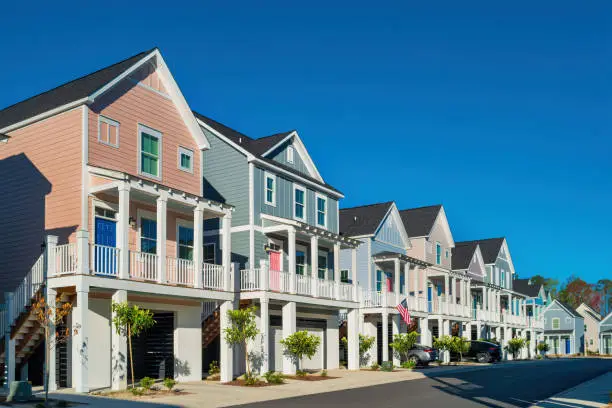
[41, 191]
[280, 155]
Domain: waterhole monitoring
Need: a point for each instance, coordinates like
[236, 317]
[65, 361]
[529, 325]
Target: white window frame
[324, 254]
[302, 248]
[274, 188]
[188, 152]
[156, 133]
[317, 196]
[214, 246]
[552, 323]
[109, 122]
[302, 189]
[290, 155]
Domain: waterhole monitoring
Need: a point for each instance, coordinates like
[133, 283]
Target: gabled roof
[567, 308]
[419, 221]
[526, 288]
[69, 92]
[589, 311]
[257, 147]
[489, 247]
[363, 220]
[462, 254]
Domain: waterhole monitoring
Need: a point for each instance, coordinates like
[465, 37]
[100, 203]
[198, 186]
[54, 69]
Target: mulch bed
[242, 383]
[309, 377]
[153, 393]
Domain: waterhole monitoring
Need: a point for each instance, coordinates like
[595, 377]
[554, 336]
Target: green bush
[147, 383]
[538, 357]
[301, 373]
[408, 364]
[169, 383]
[137, 391]
[323, 373]
[403, 343]
[387, 366]
[272, 377]
[213, 368]
[543, 347]
[374, 367]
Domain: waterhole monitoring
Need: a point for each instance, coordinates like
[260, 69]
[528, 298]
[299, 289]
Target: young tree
[515, 345]
[242, 329]
[301, 344]
[460, 346]
[131, 321]
[403, 343]
[543, 347]
[49, 317]
[444, 344]
[365, 344]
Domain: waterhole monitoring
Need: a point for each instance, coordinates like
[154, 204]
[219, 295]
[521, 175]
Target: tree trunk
[129, 333]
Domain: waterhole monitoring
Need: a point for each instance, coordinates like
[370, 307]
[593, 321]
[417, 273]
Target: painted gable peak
[300, 149]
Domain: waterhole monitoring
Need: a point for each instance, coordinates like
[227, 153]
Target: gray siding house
[605, 335]
[563, 329]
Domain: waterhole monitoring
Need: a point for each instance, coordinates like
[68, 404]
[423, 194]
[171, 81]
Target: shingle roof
[570, 309]
[489, 248]
[69, 92]
[362, 220]
[419, 221]
[257, 147]
[463, 252]
[523, 286]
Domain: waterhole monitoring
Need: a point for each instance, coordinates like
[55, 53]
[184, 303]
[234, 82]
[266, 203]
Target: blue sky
[501, 112]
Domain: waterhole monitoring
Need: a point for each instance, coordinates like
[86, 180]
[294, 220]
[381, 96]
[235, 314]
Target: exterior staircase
[211, 327]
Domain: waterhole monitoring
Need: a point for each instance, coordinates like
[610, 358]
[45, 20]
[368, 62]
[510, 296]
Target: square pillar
[291, 256]
[264, 328]
[353, 339]
[198, 245]
[9, 344]
[447, 330]
[478, 330]
[50, 258]
[314, 264]
[354, 274]
[226, 363]
[407, 281]
[50, 298]
[188, 344]
[337, 270]
[289, 327]
[332, 338]
[396, 330]
[123, 230]
[467, 333]
[454, 290]
[426, 337]
[446, 288]
[80, 341]
[510, 305]
[82, 245]
[226, 253]
[385, 334]
[162, 212]
[119, 352]
[396, 280]
[264, 275]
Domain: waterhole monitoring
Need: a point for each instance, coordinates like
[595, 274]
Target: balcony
[443, 307]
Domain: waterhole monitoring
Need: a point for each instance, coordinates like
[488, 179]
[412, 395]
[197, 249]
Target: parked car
[422, 355]
[481, 351]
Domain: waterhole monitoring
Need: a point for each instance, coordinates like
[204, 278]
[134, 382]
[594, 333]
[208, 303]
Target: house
[563, 329]
[535, 301]
[591, 327]
[285, 240]
[605, 335]
[386, 274]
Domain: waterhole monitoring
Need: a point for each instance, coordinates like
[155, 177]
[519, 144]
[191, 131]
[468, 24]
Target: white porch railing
[66, 259]
[250, 279]
[345, 291]
[212, 276]
[179, 271]
[279, 281]
[302, 284]
[143, 266]
[325, 288]
[31, 283]
[104, 260]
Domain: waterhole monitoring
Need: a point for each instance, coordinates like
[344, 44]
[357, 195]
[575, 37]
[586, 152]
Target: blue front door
[429, 299]
[104, 252]
[567, 346]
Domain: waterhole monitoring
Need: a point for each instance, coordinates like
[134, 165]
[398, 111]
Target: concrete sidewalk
[593, 393]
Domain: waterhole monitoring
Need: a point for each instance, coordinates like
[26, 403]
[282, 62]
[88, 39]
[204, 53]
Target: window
[344, 276]
[105, 213]
[290, 153]
[322, 267]
[150, 151]
[108, 131]
[185, 159]
[148, 236]
[321, 211]
[502, 278]
[556, 323]
[300, 262]
[438, 253]
[270, 189]
[299, 207]
[185, 242]
[210, 253]
[379, 280]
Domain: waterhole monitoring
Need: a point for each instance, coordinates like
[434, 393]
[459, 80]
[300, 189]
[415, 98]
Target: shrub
[272, 377]
[543, 347]
[538, 357]
[250, 380]
[374, 367]
[301, 344]
[147, 383]
[213, 368]
[323, 373]
[137, 391]
[515, 345]
[408, 364]
[301, 373]
[387, 366]
[403, 343]
[460, 346]
[169, 383]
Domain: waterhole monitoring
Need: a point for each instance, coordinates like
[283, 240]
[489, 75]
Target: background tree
[604, 287]
[49, 317]
[403, 343]
[576, 291]
[550, 285]
[241, 330]
[131, 321]
[301, 344]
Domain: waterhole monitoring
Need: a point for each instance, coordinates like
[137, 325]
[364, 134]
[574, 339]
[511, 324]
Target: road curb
[555, 399]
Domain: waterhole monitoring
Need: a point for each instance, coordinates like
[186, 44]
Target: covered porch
[449, 294]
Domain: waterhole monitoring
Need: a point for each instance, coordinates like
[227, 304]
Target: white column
[9, 344]
[407, 280]
[498, 334]
[337, 270]
[198, 245]
[289, 325]
[226, 355]
[454, 286]
[485, 298]
[396, 330]
[50, 263]
[188, 343]
[82, 244]
[226, 253]
[467, 333]
[510, 305]
[162, 212]
[396, 283]
[264, 328]
[123, 230]
[446, 288]
[461, 292]
[426, 332]
[332, 338]
[385, 334]
[80, 352]
[353, 339]
[119, 352]
[314, 263]
[478, 329]
[50, 298]
[354, 274]
[416, 283]
[291, 256]
[264, 275]
[446, 327]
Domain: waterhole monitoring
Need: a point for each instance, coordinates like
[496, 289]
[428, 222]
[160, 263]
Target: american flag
[402, 308]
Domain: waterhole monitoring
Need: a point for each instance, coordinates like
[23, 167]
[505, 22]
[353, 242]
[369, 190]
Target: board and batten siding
[284, 201]
[131, 104]
[389, 236]
[280, 155]
[567, 321]
[40, 180]
[363, 262]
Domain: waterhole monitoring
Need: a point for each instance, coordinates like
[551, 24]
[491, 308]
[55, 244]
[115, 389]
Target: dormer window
[290, 154]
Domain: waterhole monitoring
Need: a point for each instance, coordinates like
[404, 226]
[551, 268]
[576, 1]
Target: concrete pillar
[198, 245]
[9, 344]
[426, 332]
[385, 334]
[498, 333]
[291, 258]
[447, 327]
[453, 299]
[353, 339]
[396, 320]
[226, 253]
[354, 274]
[264, 328]
[82, 244]
[446, 288]
[123, 230]
[416, 283]
[119, 351]
[80, 341]
[478, 330]
[162, 212]
[50, 298]
[396, 283]
[289, 327]
[314, 264]
[510, 305]
[226, 355]
[332, 348]
[440, 327]
[188, 344]
[407, 281]
[50, 259]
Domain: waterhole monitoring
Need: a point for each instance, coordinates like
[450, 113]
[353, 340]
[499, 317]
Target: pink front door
[389, 284]
[275, 267]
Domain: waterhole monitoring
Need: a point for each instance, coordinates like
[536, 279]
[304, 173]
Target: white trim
[44, 115]
[552, 323]
[304, 249]
[290, 157]
[109, 122]
[438, 245]
[252, 215]
[155, 133]
[181, 222]
[150, 88]
[84, 170]
[274, 188]
[324, 254]
[224, 138]
[317, 196]
[301, 150]
[304, 204]
[187, 152]
[397, 219]
[446, 227]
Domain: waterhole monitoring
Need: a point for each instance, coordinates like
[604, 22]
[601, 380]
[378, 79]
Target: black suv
[482, 351]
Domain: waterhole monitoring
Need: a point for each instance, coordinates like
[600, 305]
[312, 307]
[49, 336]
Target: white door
[317, 361]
